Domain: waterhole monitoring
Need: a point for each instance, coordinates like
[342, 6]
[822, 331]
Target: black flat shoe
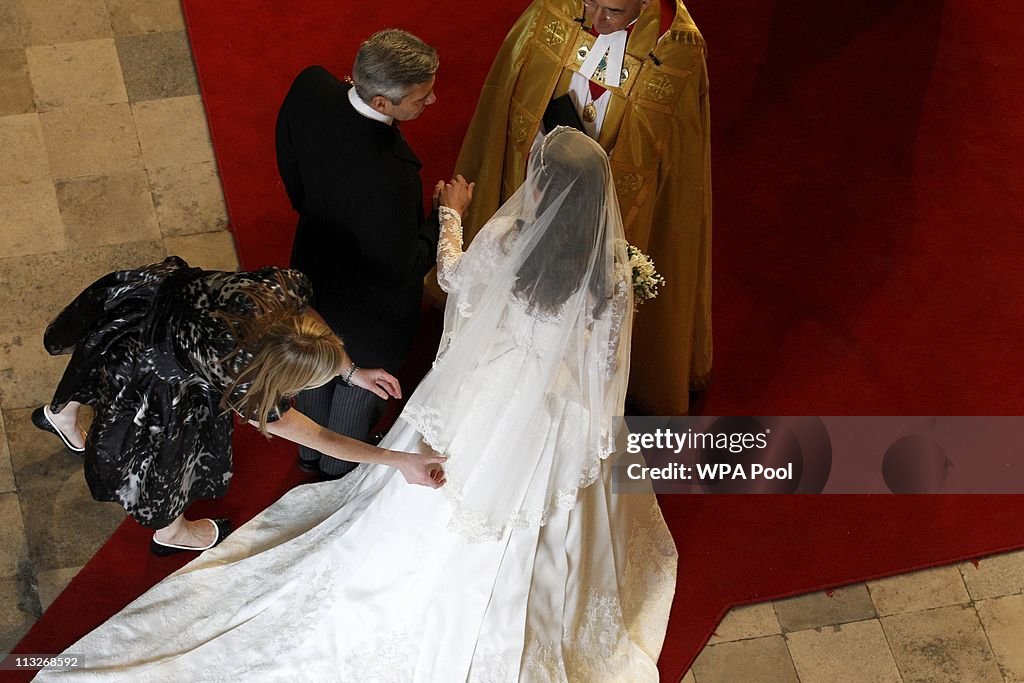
[311, 466]
[41, 419]
[165, 549]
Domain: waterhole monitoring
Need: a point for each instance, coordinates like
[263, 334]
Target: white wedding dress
[370, 579]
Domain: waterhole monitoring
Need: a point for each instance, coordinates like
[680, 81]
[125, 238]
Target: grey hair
[391, 63]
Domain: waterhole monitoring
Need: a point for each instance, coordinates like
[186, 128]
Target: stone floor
[105, 162]
[955, 623]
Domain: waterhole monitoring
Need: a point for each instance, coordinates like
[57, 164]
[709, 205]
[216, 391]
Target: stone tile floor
[105, 162]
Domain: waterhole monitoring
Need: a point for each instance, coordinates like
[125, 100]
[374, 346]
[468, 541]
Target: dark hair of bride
[573, 243]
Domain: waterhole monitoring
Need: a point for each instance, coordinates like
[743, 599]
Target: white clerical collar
[612, 44]
[365, 109]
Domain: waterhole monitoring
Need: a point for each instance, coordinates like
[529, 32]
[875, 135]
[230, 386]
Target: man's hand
[380, 382]
[457, 194]
[424, 470]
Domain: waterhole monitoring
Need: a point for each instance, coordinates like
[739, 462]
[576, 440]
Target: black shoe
[41, 420]
[311, 466]
[165, 549]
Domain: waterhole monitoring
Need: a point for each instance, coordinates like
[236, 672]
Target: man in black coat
[362, 237]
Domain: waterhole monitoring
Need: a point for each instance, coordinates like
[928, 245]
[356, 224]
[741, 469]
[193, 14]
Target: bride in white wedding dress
[525, 566]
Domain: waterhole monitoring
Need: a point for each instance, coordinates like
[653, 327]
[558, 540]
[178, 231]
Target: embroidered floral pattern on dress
[600, 640]
[615, 632]
[597, 650]
[649, 578]
[386, 659]
[495, 669]
[542, 663]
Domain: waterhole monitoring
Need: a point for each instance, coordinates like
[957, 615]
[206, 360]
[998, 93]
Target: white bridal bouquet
[645, 278]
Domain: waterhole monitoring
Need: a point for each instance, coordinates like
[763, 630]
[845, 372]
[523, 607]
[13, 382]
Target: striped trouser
[347, 410]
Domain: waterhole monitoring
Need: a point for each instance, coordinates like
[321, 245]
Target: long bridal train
[360, 580]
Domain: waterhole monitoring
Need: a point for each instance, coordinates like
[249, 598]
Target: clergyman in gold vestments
[649, 109]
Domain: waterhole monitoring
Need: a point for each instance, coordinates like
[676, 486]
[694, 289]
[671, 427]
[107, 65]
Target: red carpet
[867, 248]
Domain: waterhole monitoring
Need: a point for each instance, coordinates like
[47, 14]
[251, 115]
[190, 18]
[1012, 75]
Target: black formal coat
[362, 238]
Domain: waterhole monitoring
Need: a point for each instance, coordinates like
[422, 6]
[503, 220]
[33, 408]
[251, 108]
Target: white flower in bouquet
[646, 279]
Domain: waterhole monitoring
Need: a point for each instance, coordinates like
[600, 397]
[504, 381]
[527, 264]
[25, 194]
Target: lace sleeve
[457, 271]
[449, 248]
[617, 314]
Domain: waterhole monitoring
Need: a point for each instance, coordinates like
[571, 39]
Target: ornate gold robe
[656, 131]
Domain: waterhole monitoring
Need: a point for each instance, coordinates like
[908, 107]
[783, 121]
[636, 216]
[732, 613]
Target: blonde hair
[291, 351]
